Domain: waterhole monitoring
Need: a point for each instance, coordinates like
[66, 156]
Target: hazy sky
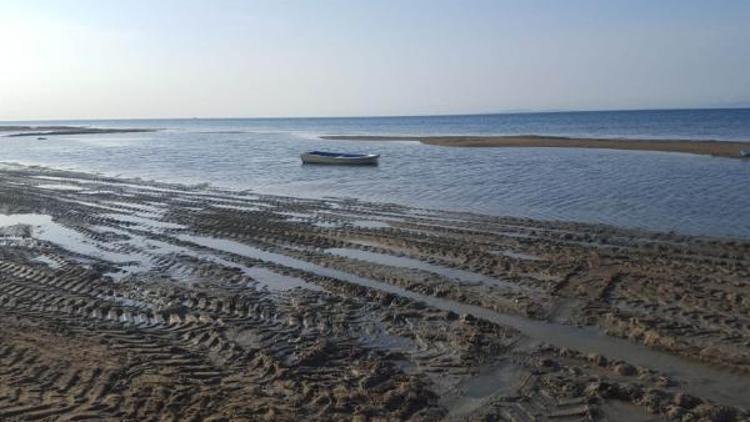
[182, 58]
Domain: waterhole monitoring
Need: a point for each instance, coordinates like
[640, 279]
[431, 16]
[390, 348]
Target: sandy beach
[128, 300]
[714, 148]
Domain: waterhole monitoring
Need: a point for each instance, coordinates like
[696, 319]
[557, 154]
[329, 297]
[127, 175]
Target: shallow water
[658, 191]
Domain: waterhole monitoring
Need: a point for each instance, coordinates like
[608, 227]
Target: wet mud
[132, 300]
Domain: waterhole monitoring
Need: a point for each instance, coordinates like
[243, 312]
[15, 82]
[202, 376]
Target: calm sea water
[658, 191]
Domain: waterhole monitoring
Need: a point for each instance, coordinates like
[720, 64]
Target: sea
[657, 191]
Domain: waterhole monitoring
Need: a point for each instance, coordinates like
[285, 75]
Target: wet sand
[715, 148]
[131, 300]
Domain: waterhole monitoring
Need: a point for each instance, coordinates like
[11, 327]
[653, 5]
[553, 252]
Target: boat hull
[359, 160]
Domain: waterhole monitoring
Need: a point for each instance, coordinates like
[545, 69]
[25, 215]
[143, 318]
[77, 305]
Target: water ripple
[659, 191]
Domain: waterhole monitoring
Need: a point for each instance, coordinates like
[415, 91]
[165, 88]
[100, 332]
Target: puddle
[95, 205]
[501, 379]
[46, 229]
[498, 380]
[100, 192]
[294, 220]
[145, 253]
[250, 252]
[62, 179]
[459, 275]
[60, 187]
[327, 224]
[237, 207]
[301, 215]
[48, 261]
[702, 380]
[370, 224]
[145, 222]
[140, 259]
[377, 337]
[145, 208]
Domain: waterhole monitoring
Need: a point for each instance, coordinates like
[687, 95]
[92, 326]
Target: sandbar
[729, 149]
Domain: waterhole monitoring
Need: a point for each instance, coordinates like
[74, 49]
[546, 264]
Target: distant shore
[64, 130]
[714, 148]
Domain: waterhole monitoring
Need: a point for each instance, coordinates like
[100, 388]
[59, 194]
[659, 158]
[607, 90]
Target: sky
[87, 59]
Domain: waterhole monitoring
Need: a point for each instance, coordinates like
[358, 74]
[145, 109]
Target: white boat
[320, 157]
[745, 152]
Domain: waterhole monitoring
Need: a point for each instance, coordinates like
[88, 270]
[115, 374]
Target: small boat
[745, 153]
[320, 157]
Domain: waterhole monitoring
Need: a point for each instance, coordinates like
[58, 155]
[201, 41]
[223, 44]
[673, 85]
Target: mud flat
[126, 300]
[715, 148]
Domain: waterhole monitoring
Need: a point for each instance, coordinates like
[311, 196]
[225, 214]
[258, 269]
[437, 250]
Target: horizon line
[381, 116]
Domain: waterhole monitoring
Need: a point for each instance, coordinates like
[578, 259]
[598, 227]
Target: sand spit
[127, 300]
[715, 148]
[16, 128]
[64, 130]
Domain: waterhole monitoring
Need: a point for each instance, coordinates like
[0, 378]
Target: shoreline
[211, 281]
[728, 149]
